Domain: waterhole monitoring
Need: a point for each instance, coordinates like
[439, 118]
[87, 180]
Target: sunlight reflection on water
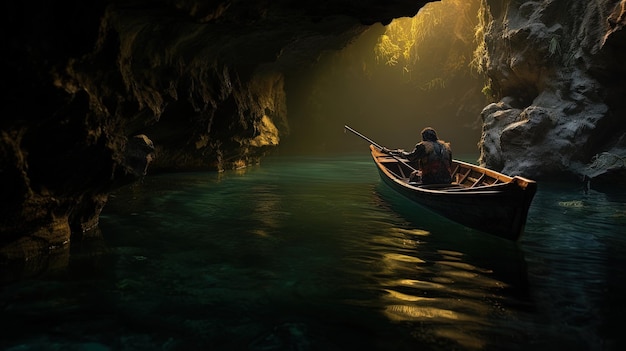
[318, 253]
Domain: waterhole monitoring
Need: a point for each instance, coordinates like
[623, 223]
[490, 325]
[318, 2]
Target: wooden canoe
[478, 198]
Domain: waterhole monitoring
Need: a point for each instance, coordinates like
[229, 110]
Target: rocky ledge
[557, 73]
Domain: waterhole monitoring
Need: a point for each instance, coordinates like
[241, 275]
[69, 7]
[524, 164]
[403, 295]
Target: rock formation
[557, 69]
[99, 91]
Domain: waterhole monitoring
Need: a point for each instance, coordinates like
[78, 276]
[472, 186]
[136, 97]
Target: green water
[317, 254]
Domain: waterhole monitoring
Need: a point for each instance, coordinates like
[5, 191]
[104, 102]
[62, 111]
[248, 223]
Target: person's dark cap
[429, 134]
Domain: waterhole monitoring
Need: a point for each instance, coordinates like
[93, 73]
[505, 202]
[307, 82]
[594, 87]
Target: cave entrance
[392, 81]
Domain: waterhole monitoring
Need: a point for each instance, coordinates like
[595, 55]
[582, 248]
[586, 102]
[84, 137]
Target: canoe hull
[499, 209]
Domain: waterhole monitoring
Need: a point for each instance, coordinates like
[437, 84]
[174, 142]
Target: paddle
[345, 127]
[381, 148]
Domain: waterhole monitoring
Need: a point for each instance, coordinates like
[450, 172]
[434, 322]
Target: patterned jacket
[434, 159]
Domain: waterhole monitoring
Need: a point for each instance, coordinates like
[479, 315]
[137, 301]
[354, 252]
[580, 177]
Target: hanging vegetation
[446, 35]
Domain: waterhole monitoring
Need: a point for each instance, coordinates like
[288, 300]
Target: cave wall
[556, 70]
[101, 91]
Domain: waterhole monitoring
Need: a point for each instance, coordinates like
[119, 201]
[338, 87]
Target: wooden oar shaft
[363, 137]
[377, 146]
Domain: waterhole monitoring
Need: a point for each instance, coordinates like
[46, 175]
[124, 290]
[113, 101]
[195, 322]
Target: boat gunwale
[503, 178]
[503, 188]
[482, 190]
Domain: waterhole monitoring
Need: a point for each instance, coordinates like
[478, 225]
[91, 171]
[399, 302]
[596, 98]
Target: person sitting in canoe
[433, 157]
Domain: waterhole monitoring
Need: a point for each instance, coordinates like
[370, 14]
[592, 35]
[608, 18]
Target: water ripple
[317, 252]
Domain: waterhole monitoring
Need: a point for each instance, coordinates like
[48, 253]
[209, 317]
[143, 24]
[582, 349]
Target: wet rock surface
[102, 93]
[555, 67]
[201, 83]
